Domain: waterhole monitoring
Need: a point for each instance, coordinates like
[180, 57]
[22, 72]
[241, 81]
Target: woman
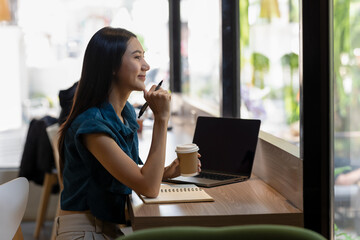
[98, 143]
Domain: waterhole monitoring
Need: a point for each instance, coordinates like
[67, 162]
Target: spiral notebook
[179, 193]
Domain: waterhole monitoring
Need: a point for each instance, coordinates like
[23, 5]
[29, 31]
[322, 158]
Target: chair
[49, 181]
[13, 200]
[245, 232]
[53, 136]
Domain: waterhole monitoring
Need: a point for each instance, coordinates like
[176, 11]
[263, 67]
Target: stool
[49, 181]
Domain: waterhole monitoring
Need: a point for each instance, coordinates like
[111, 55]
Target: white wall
[12, 62]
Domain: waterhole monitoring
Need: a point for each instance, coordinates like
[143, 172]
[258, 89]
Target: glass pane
[200, 53]
[346, 118]
[269, 49]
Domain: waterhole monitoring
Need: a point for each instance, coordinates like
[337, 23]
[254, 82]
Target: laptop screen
[227, 145]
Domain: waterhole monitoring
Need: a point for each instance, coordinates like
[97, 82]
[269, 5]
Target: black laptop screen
[227, 145]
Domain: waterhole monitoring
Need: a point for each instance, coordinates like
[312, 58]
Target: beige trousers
[85, 226]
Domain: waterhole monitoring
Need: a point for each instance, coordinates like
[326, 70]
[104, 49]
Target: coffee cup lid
[187, 148]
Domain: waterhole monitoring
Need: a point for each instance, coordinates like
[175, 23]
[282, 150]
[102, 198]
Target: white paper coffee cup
[188, 157]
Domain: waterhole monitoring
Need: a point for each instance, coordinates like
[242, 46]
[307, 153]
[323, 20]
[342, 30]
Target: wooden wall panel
[277, 163]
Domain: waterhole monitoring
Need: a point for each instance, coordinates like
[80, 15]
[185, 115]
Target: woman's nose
[145, 66]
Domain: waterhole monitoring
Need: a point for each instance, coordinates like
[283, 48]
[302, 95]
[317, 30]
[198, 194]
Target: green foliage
[244, 23]
[292, 108]
[294, 11]
[42, 95]
[142, 41]
[341, 45]
[260, 62]
[291, 60]
[244, 28]
[343, 236]
[355, 28]
[261, 65]
[340, 170]
[291, 105]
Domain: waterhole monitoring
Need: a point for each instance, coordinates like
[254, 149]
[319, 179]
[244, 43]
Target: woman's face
[132, 73]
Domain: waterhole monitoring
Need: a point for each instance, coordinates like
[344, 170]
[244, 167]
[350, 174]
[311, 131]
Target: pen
[143, 108]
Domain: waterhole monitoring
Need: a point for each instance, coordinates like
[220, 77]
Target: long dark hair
[103, 57]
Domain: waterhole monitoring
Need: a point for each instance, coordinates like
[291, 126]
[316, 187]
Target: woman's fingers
[159, 102]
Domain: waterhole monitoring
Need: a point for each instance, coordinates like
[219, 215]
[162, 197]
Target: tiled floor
[27, 229]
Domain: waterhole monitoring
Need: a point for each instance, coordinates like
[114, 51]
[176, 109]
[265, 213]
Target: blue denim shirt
[87, 184]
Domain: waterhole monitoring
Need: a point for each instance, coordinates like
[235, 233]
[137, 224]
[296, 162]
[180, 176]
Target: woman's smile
[142, 77]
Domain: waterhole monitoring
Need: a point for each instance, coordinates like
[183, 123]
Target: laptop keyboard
[214, 176]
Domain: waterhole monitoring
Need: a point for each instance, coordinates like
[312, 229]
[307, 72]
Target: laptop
[227, 147]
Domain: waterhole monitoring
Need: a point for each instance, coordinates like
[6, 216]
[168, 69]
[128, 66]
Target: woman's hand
[159, 102]
[173, 170]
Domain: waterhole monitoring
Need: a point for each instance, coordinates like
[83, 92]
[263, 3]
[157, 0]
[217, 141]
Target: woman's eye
[137, 57]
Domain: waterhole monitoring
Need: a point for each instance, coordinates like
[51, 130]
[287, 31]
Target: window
[200, 53]
[269, 49]
[346, 118]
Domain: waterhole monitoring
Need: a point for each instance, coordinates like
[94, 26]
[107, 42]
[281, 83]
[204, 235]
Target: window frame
[316, 128]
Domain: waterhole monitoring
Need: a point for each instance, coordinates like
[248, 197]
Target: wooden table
[250, 202]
